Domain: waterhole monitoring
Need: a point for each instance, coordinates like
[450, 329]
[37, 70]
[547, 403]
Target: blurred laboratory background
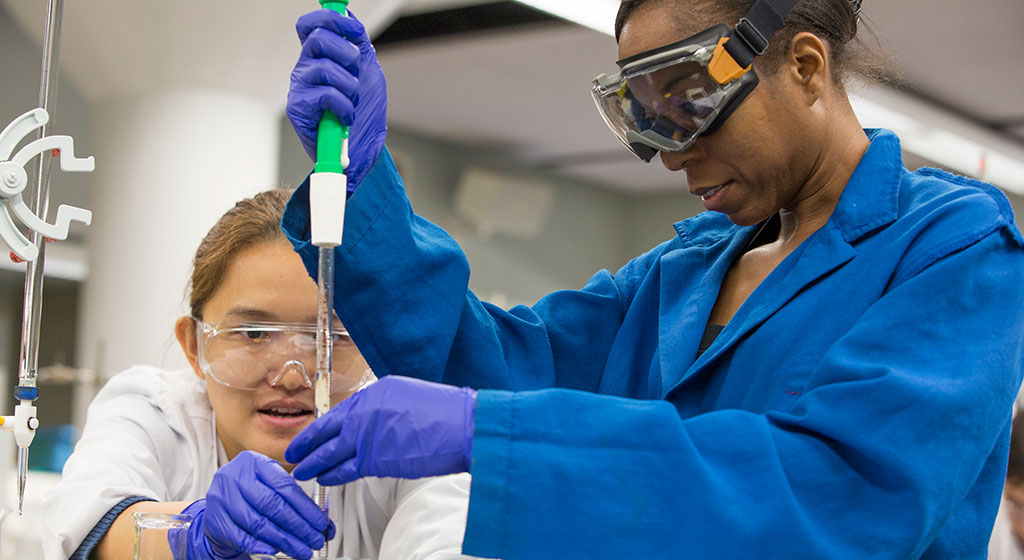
[491, 124]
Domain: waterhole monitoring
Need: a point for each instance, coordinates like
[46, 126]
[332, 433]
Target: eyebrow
[256, 314]
[250, 313]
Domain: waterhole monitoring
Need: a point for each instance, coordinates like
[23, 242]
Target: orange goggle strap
[723, 68]
[733, 58]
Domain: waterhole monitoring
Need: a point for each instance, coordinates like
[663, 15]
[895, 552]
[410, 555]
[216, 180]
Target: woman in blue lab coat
[820, 366]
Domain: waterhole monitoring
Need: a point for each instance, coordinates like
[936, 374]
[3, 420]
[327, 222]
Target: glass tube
[161, 536]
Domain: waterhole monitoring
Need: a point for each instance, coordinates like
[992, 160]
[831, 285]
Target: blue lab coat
[856, 406]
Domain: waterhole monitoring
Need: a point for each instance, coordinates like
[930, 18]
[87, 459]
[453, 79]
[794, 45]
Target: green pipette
[328, 189]
[331, 148]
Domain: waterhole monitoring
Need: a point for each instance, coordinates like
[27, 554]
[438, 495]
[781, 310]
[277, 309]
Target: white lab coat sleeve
[1004, 544]
[117, 457]
[428, 520]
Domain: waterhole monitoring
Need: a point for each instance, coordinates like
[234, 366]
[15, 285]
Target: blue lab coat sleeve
[444, 332]
[870, 463]
[890, 444]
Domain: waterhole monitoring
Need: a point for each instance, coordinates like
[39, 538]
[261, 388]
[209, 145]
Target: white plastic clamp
[23, 423]
[14, 179]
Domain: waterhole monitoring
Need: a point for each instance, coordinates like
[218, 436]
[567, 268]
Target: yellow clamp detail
[1, 420]
[723, 67]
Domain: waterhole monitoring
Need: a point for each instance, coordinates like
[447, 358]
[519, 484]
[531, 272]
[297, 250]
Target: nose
[678, 162]
[291, 376]
[673, 162]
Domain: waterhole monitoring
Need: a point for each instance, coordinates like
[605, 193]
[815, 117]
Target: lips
[714, 198]
[712, 192]
[285, 412]
[283, 417]
[285, 409]
[708, 192]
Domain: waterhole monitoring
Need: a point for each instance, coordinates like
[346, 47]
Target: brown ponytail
[251, 222]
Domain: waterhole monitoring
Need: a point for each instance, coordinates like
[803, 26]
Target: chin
[750, 216]
[272, 446]
[277, 454]
[743, 220]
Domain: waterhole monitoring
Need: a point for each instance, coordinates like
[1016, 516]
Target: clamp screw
[10, 178]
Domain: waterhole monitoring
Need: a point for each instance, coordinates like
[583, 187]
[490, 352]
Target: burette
[13, 183]
[328, 188]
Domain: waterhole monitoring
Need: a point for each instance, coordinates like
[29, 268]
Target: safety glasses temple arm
[264, 325]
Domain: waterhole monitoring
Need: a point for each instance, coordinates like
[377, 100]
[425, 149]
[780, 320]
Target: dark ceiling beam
[456, 21]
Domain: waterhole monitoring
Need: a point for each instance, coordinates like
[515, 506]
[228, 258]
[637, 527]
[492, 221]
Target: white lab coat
[1004, 544]
[150, 432]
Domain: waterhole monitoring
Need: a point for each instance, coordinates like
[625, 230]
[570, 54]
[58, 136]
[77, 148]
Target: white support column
[167, 166]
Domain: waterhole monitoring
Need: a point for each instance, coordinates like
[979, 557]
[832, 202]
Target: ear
[185, 332]
[809, 64]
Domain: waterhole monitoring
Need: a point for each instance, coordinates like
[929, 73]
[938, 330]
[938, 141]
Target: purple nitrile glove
[338, 72]
[254, 507]
[397, 427]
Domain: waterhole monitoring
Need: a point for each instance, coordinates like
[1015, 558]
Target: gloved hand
[254, 507]
[338, 71]
[397, 427]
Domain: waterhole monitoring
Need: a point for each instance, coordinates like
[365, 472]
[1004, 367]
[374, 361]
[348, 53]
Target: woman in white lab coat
[210, 440]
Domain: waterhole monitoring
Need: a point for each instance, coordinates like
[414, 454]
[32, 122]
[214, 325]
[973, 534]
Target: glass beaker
[160, 536]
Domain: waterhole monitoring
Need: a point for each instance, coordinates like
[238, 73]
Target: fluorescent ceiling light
[598, 15]
[951, 141]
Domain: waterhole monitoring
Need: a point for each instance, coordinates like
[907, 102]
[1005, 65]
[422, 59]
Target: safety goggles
[247, 355]
[662, 100]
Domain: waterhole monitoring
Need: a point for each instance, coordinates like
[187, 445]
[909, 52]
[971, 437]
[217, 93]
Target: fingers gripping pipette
[327, 194]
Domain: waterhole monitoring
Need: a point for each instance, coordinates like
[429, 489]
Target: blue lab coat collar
[709, 240]
[869, 201]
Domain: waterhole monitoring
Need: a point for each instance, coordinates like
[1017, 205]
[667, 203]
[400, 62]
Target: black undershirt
[766, 233]
[711, 332]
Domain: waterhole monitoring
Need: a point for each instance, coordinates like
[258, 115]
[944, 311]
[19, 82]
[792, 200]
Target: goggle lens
[665, 100]
[250, 355]
[682, 93]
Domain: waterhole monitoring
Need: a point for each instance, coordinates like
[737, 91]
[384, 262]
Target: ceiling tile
[960, 54]
[527, 90]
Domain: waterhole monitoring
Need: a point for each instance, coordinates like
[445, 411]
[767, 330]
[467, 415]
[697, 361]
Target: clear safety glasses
[247, 355]
[663, 100]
